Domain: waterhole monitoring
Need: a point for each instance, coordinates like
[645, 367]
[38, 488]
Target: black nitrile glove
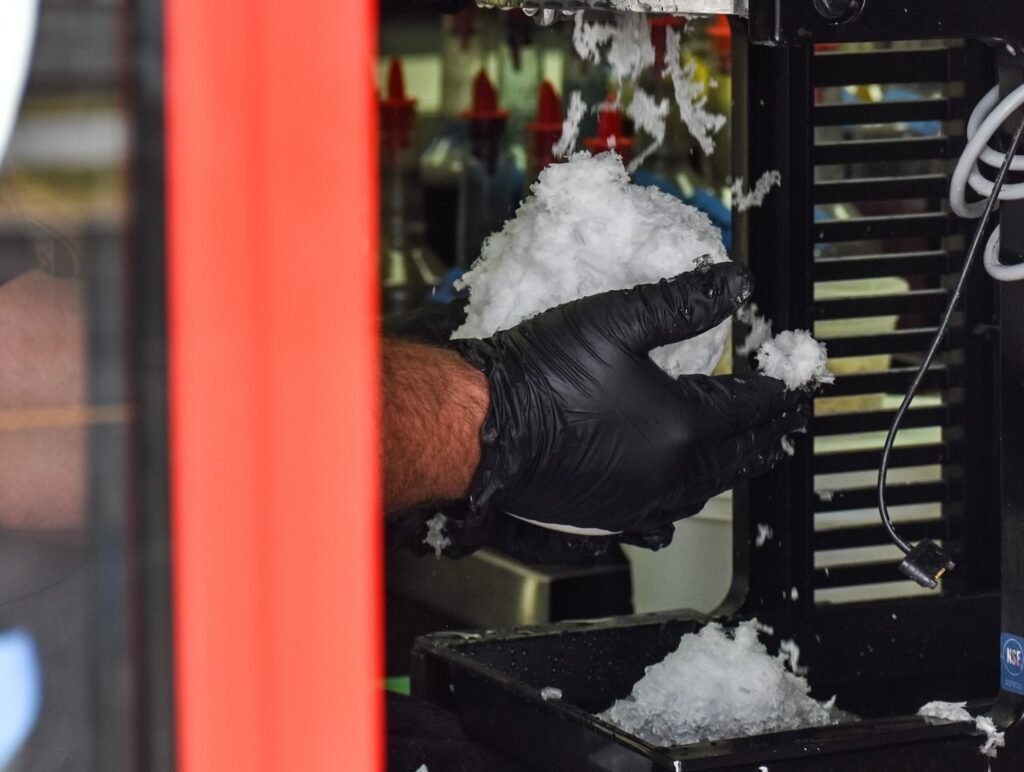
[584, 430]
[468, 531]
[433, 323]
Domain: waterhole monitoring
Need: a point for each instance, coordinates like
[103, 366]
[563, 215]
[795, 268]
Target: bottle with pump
[519, 58]
[444, 155]
[491, 182]
[409, 270]
[545, 130]
[611, 134]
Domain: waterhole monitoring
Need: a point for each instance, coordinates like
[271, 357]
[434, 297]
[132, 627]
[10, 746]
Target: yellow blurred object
[845, 328]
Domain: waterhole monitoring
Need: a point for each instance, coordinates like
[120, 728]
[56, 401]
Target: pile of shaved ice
[795, 358]
[719, 684]
[587, 229]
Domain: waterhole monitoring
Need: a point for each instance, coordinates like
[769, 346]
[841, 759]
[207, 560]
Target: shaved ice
[718, 684]
[743, 200]
[587, 229]
[795, 358]
[957, 711]
[436, 538]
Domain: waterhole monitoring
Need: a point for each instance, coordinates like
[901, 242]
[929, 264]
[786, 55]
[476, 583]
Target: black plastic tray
[883, 660]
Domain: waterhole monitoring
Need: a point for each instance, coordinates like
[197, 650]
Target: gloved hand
[584, 430]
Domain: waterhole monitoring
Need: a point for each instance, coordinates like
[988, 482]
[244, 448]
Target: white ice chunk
[994, 739]
[719, 683]
[947, 711]
[566, 143]
[764, 533]
[650, 117]
[795, 358]
[691, 95]
[760, 329]
[789, 652]
[435, 534]
[624, 41]
[551, 693]
[587, 229]
[957, 711]
[744, 200]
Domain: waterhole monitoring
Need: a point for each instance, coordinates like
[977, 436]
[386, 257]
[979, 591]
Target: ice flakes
[789, 652]
[625, 42]
[760, 329]
[742, 201]
[957, 711]
[435, 537]
[588, 229]
[650, 117]
[719, 683]
[691, 95]
[566, 143]
[795, 358]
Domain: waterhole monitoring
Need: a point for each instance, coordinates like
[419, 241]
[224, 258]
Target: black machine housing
[882, 658]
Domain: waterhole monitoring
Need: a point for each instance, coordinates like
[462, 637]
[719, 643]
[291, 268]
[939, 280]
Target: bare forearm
[434, 406]
[42, 381]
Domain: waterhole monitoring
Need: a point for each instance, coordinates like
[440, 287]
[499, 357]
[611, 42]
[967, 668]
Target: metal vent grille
[872, 252]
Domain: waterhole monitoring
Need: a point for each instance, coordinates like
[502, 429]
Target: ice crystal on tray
[957, 711]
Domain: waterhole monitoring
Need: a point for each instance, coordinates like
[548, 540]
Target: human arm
[42, 384]
[434, 406]
[583, 431]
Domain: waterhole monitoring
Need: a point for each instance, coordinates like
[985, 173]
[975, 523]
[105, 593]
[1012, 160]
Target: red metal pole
[272, 207]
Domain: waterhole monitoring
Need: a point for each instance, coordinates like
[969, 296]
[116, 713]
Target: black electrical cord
[972, 253]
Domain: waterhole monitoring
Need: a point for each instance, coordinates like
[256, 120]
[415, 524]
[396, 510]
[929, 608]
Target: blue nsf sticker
[1011, 654]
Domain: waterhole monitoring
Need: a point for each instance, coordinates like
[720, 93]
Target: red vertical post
[272, 223]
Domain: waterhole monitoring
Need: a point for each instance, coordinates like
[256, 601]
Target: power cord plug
[926, 563]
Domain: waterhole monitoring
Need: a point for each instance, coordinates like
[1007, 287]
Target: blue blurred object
[900, 94]
[21, 686]
[445, 291]
[706, 202]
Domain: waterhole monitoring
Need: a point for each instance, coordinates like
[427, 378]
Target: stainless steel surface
[697, 7]
[487, 589]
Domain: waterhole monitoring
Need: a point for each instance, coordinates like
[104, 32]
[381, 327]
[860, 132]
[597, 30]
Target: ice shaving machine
[804, 72]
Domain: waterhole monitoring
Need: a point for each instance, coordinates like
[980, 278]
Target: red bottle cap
[396, 111]
[720, 34]
[659, 24]
[546, 129]
[610, 134]
[485, 101]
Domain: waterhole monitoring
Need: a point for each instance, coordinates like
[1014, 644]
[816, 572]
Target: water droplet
[547, 17]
